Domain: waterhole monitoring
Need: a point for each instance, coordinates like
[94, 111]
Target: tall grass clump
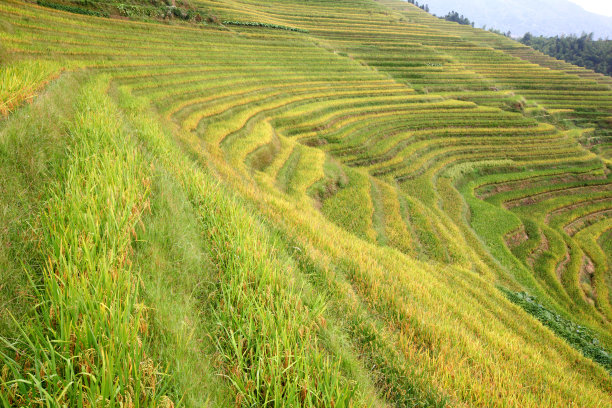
[19, 82]
[83, 346]
[265, 328]
[32, 142]
[266, 334]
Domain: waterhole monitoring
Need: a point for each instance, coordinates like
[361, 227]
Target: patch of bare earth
[580, 223]
[586, 274]
[571, 207]
[543, 247]
[561, 266]
[516, 238]
[536, 198]
[489, 190]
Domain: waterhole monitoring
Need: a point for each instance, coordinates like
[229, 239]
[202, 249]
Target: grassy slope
[168, 272]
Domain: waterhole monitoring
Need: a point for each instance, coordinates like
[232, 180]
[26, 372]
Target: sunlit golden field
[298, 204]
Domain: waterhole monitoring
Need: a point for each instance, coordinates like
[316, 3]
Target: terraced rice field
[338, 215]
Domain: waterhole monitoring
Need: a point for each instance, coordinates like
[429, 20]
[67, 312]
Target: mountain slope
[253, 216]
[539, 17]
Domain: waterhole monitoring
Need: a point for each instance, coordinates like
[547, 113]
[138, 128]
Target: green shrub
[579, 337]
[264, 25]
[71, 9]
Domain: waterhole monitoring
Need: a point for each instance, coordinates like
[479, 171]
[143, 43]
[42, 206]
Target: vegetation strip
[84, 343]
[579, 337]
[71, 9]
[263, 25]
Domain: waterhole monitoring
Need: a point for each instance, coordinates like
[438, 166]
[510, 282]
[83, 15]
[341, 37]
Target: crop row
[353, 179]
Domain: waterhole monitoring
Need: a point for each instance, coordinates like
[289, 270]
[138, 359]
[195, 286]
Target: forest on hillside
[579, 50]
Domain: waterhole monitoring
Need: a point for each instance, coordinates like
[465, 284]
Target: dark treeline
[453, 16]
[582, 51]
[458, 18]
[422, 6]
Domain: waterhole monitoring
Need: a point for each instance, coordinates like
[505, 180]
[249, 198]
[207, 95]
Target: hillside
[299, 203]
[582, 51]
[539, 17]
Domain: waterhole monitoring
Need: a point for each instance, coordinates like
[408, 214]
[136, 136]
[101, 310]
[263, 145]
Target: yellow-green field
[299, 204]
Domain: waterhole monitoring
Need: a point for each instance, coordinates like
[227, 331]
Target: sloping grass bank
[83, 344]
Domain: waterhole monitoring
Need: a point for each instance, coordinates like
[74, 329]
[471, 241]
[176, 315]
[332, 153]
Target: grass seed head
[5, 373]
[239, 399]
[165, 402]
[303, 393]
